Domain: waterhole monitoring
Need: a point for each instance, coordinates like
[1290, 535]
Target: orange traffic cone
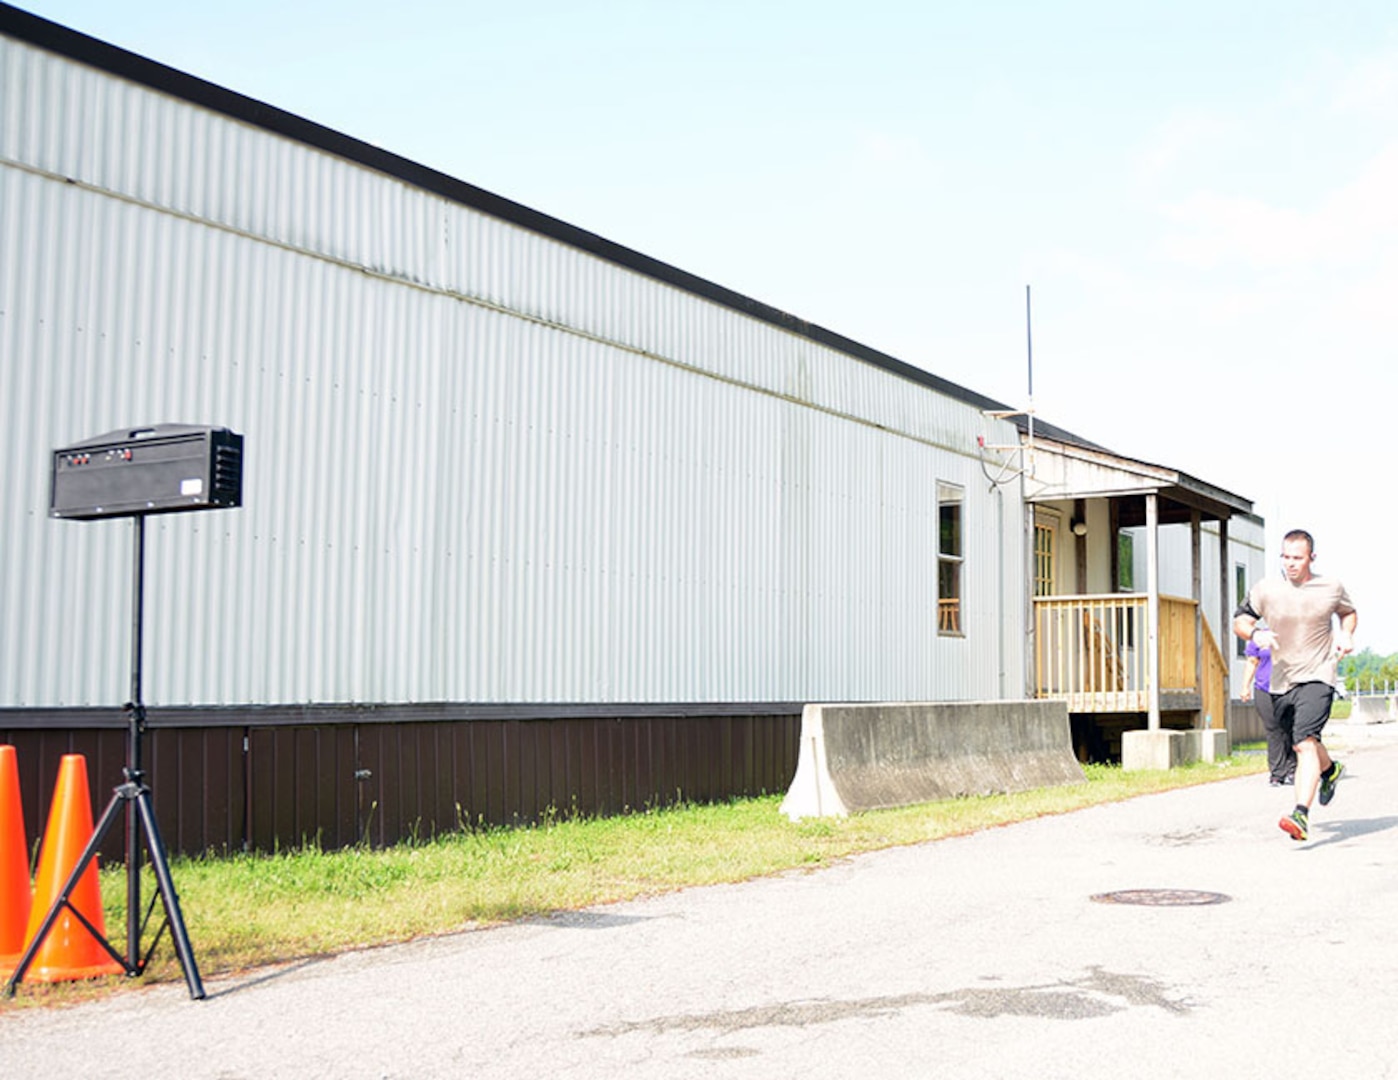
[14, 864]
[69, 951]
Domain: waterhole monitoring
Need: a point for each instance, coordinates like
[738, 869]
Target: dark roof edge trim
[253, 715]
[1238, 504]
[115, 60]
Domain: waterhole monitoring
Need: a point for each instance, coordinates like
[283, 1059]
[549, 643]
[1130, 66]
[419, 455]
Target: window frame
[1240, 589]
[1125, 562]
[1046, 523]
[951, 609]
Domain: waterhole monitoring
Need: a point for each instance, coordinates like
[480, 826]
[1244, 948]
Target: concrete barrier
[870, 757]
[1245, 723]
[1165, 748]
[1371, 710]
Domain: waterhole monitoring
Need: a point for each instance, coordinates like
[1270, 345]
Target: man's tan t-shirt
[1302, 618]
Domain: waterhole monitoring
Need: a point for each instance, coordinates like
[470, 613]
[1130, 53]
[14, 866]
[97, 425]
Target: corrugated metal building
[496, 466]
[484, 464]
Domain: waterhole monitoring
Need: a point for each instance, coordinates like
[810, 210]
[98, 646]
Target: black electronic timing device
[161, 469]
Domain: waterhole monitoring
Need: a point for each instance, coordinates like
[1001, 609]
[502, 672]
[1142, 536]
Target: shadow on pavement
[233, 986]
[1338, 831]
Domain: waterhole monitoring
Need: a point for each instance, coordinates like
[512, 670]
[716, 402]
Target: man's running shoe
[1295, 825]
[1327, 786]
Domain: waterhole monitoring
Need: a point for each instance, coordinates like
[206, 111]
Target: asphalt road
[982, 956]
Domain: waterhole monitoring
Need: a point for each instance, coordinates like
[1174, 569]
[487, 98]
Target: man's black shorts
[1304, 709]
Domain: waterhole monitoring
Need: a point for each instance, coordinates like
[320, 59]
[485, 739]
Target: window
[1045, 540]
[1125, 562]
[1240, 588]
[949, 558]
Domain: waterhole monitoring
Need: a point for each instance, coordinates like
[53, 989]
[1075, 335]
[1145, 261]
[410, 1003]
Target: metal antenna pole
[1029, 342]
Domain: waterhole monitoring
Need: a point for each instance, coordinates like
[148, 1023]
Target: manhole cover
[1160, 897]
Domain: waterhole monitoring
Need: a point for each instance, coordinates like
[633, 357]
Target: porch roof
[1066, 467]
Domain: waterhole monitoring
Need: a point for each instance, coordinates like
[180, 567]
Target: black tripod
[135, 795]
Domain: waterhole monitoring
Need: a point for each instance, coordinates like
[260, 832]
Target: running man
[1299, 610]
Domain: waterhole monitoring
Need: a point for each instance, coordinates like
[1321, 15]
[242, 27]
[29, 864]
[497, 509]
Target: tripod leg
[161, 866]
[133, 885]
[109, 816]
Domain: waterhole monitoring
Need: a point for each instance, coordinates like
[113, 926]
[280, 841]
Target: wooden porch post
[1196, 583]
[1153, 610]
[1080, 546]
[1225, 622]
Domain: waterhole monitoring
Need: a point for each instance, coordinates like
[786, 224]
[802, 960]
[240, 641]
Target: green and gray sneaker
[1327, 784]
[1295, 824]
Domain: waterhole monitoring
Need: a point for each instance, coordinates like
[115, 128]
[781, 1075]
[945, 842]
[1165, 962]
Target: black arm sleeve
[1245, 608]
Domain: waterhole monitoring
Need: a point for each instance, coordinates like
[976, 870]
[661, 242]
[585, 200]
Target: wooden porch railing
[1091, 652]
[1214, 698]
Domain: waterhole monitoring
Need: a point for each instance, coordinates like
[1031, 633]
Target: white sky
[1202, 195]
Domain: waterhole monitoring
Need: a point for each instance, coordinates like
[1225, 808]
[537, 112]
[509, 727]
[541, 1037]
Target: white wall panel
[480, 465]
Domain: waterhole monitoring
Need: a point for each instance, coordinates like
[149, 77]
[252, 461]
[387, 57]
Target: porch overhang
[1063, 470]
[1143, 494]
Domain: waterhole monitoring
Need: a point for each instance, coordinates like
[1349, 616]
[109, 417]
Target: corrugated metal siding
[38, 753]
[278, 786]
[481, 465]
[190, 162]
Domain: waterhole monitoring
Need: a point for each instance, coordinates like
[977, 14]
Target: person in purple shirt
[1257, 685]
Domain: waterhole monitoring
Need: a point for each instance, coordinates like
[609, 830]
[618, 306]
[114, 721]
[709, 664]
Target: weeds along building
[530, 519]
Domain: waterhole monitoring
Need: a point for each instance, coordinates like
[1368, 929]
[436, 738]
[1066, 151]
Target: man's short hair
[1301, 534]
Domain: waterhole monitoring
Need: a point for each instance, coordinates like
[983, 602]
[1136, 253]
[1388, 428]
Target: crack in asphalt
[1097, 993]
[1185, 837]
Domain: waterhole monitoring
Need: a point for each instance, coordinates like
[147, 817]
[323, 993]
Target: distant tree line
[1368, 670]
